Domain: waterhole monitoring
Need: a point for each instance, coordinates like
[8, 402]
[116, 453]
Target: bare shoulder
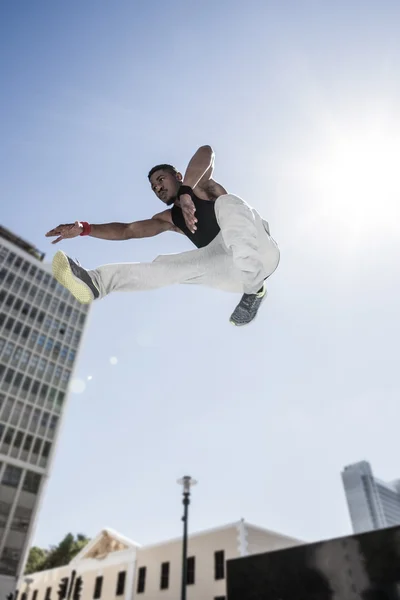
[211, 189]
[166, 217]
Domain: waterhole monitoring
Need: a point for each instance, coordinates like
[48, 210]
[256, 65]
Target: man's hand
[188, 210]
[65, 232]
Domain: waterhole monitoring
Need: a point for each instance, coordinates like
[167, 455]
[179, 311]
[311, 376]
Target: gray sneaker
[75, 278]
[247, 309]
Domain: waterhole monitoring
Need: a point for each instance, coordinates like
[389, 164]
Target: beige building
[112, 567]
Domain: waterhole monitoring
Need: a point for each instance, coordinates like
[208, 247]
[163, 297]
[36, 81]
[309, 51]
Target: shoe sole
[252, 321]
[63, 273]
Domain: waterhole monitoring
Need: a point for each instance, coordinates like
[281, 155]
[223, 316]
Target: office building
[373, 504]
[112, 567]
[41, 328]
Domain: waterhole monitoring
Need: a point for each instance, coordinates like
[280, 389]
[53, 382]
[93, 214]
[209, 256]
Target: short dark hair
[163, 167]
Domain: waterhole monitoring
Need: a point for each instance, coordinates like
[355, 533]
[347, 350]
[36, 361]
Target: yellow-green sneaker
[75, 278]
[247, 309]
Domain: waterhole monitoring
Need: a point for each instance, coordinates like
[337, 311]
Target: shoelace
[249, 300]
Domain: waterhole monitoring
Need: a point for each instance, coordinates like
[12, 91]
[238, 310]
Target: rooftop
[8, 235]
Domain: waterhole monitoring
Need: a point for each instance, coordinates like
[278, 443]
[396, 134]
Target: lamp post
[187, 482]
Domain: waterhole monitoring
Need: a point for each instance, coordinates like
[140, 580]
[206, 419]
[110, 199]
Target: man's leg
[210, 266]
[255, 254]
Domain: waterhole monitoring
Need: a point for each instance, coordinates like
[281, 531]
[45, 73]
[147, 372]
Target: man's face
[165, 185]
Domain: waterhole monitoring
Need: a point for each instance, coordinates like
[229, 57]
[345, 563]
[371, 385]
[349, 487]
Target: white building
[373, 504]
[41, 327]
[113, 567]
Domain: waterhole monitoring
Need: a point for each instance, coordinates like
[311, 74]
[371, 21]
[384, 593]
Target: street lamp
[187, 482]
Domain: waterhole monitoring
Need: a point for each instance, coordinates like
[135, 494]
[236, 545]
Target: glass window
[41, 340]
[37, 446]
[164, 580]
[42, 365]
[18, 380]
[141, 585]
[98, 587]
[17, 284]
[12, 476]
[26, 416]
[45, 420]
[8, 350]
[53, 426]
[35, 420]
[65, 376]
[57, 374]
[46, 279]
[17, 355]
[17, 328]
[10, 278]
[27, 383]
[10, 258]
[219, 564]
[18, 304]
[33, 291]
[9, 375]
[7, 410]
[43, 391]
[33, 363]
[46, 449]
[39, 276]
[10, 300]
[17, 412]
[50, 371]
[40, 317]
[25, 266]
[10, 323]
[25, 309]
[28, 443]
[47, 323]
[26, 331]
[121, 583]
[35, 388]
[32, 271]
[191, 567]
[18, 439]
[31, 482]
[25, 357]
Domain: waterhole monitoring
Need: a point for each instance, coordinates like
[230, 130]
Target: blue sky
[300, 102]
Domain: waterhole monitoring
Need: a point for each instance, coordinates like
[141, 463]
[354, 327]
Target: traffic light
[63, 588]
[78, 588]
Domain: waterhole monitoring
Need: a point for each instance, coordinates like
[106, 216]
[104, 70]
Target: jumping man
[235, 251]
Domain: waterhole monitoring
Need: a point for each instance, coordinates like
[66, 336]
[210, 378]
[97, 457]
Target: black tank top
[207, 224]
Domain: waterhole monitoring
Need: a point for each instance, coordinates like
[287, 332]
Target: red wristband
[86, 228]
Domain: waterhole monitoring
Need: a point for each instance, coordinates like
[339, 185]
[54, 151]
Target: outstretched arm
[117, 231]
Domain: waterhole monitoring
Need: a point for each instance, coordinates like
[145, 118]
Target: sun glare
[357, 177]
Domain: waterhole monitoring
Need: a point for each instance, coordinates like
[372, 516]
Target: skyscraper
[41, 326]
[373, 504]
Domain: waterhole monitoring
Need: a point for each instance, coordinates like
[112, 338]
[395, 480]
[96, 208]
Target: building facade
[41, 327]
[373, 504]
[112, 567]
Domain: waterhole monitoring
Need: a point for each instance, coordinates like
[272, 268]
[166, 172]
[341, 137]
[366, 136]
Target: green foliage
[40, 559]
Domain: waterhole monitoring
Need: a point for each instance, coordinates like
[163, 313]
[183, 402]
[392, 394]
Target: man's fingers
[57, 240]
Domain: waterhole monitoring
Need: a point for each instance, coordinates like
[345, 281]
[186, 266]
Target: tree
[36, 559]
[40, 559]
